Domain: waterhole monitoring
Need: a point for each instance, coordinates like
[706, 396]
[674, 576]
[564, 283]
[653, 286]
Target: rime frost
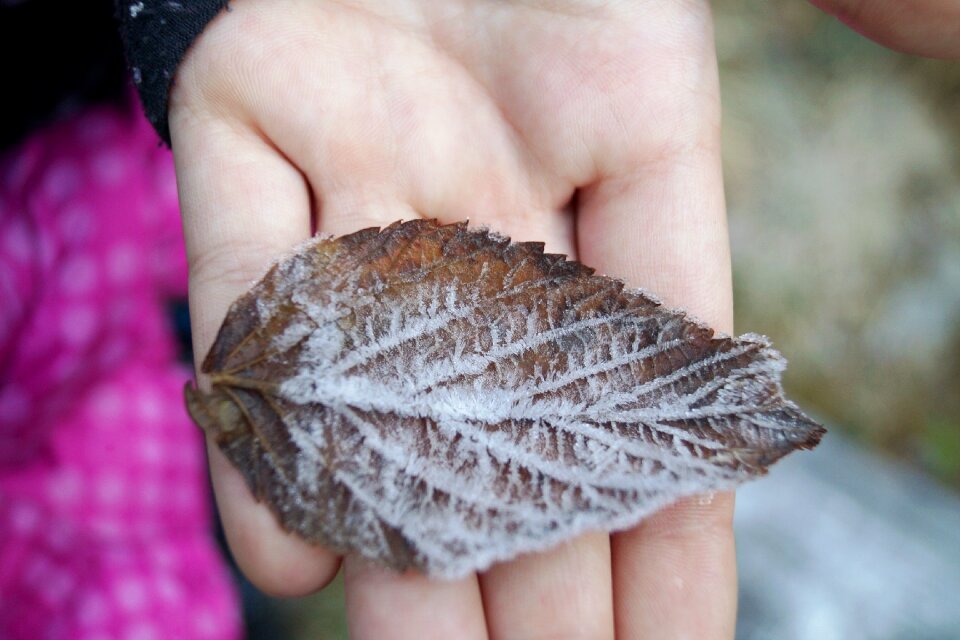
[435, 397]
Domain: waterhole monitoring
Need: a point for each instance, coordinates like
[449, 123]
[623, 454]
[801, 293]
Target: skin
[593, 126]
[921, 27]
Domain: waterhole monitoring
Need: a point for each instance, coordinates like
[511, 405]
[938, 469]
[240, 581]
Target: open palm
[592, 126]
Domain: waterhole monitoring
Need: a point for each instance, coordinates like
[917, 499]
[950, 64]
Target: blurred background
[842, 164]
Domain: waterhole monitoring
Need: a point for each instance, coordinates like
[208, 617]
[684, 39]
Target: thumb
[922, 27]
[243, 204]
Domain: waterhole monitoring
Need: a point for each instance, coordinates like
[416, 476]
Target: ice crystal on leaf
[437, 397]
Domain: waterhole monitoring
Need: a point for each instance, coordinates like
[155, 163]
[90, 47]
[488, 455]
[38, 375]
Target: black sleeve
[156, 34]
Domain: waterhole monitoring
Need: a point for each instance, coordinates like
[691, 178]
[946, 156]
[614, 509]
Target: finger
[660, 224]
[383, 604]
[923, 27]
[564, 592]
[242, 206]
[675, 574]
[665, 230]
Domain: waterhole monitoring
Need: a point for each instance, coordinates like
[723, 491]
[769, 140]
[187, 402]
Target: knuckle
[233, 263]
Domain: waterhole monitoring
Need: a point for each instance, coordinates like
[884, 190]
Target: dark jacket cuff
[156, 34]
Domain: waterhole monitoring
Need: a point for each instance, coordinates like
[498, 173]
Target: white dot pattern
[104, 513]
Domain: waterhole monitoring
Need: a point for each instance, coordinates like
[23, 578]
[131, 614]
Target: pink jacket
[104, 510]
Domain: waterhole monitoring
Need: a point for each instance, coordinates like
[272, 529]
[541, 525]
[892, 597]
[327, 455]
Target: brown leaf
[437, 397]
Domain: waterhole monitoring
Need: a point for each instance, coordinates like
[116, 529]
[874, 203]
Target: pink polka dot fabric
[104, 512]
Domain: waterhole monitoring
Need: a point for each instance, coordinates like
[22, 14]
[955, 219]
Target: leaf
[437, 397]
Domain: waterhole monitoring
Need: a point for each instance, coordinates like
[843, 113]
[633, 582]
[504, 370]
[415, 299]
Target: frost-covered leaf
[436, 397]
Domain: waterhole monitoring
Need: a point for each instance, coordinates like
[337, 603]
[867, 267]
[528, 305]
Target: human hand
[924, 27]
[590, 125]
